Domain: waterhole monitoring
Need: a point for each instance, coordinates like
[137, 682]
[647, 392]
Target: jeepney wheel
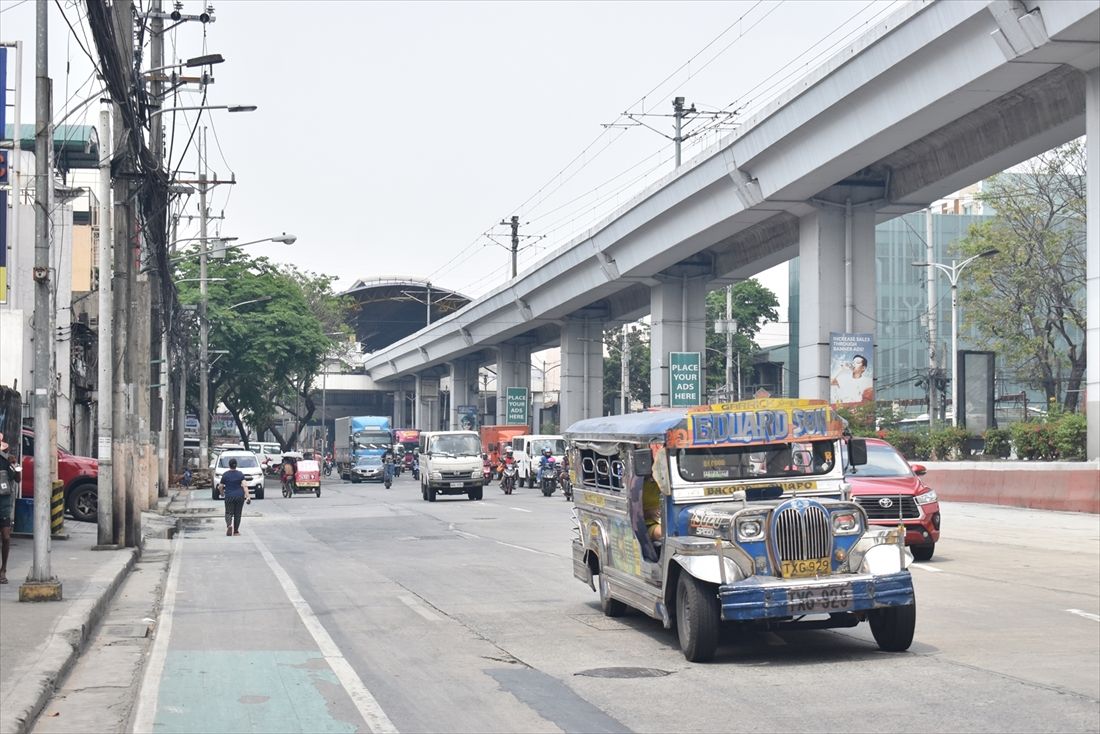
[318, 490]
[431, 493]
[697, 620]
[923, 552]
[893, 627]
[611, 607]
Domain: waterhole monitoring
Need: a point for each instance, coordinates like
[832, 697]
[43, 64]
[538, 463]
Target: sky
[392, 139]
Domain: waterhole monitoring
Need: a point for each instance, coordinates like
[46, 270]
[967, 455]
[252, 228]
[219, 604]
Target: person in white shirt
[853, 383]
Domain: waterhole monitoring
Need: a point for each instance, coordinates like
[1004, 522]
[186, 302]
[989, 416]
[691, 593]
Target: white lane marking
[414, 604]
[1086, 615]
[929, 569]
[146, 713]
[471, 536]
[520, 509]
[368, 706]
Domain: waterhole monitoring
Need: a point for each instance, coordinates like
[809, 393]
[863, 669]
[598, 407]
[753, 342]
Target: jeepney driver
[651, 509]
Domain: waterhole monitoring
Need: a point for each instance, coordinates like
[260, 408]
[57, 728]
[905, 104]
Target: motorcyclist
[545, 460]
[289, 468]
[387, 465]
[506, 459]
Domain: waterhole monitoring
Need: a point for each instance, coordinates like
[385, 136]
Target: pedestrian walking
[9, 485]
[235, 491]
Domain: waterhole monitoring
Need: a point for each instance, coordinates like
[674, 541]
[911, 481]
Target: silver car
[367, 468]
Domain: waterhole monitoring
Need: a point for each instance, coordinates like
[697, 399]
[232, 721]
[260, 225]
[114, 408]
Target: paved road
[371, 610]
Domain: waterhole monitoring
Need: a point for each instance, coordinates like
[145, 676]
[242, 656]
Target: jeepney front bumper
[771, 598]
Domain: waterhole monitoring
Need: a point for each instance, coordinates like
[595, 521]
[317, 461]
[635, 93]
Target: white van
[526, 450]
[450, 463]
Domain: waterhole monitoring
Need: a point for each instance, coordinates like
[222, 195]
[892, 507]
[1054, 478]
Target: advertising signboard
[467, 418]
[851, 371]
[685, 379]
[516, 406]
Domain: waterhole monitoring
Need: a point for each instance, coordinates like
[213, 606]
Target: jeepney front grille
[803, 536]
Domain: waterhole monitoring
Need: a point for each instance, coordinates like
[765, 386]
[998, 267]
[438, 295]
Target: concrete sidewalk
[39, 642]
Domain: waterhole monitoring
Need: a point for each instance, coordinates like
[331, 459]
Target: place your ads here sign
[685, 379]
[516, 413]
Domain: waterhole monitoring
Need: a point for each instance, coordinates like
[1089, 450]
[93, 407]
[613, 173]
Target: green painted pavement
[242, 691]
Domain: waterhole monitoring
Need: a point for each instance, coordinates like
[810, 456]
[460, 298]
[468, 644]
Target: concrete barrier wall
[1066, 486]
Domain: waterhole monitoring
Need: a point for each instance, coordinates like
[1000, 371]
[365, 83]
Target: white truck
[450, 463]
[528, 448]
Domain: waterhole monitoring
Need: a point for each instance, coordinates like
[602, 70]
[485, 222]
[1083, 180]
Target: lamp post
[952, 272]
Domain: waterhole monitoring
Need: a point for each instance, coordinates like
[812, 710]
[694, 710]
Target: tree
[753, 305]
[638, 341]
[1028, 302]
[271, 322]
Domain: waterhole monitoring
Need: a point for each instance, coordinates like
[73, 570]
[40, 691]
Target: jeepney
[734, 513]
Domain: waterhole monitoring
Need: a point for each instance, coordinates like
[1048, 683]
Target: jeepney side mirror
[857, 452]
[919, 469]
[643, 462]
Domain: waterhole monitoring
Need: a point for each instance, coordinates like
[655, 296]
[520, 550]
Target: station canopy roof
[392, 308]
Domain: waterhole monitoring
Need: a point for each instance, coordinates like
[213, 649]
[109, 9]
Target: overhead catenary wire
[522, 206]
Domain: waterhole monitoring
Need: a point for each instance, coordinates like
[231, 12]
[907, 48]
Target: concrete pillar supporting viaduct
[827, 304]
[581, 393]
[1092, 246]
[513, 370]
[464, 388]
[678, 312]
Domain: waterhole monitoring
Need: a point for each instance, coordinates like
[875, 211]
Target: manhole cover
[625, 673]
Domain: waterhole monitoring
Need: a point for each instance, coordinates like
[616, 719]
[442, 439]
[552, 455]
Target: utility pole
[624, 400]
[204, 329]
[123, 433]
[105, 505]
[41, 585]
[160, 324]
[514, 222]
[428, 304]
[678, 115]
[729, 345]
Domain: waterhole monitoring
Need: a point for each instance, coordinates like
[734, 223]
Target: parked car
[247, 463]
[367, 468]
[890, 490]
[79, 474]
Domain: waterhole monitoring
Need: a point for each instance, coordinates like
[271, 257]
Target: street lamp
[952, 272]
[229, 107]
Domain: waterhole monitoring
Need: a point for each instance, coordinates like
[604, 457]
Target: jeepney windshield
[724, 463]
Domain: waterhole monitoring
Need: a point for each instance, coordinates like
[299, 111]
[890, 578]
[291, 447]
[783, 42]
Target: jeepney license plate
[820, 601]
[804, 568]
[456, 485]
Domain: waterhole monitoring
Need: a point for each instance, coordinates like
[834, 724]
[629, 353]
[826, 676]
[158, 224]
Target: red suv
[890, 491]
[80, 475]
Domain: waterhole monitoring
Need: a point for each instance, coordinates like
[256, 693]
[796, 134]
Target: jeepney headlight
[845, 523]
[750, 529]
[476, 474]
[926, 498]
[436, 476]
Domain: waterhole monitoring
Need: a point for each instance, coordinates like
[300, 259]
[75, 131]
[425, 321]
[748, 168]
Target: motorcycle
[415, 469]
[508, 478]
[550, 474]
[387, 474]
[327, 468]
[566, 485]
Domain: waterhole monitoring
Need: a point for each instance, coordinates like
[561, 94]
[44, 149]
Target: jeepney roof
[757, 421]
[651, 425]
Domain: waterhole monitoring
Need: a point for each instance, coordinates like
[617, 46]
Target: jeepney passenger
[651, 509]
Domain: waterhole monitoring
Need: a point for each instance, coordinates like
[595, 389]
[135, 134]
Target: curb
[26, 700]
